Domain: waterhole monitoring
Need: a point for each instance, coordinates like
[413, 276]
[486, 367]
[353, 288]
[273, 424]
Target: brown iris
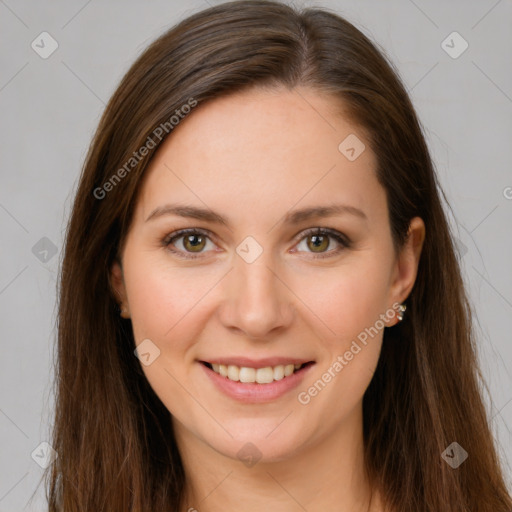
[195, 245]
[319, 242]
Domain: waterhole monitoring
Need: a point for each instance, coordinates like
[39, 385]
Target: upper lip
[256, 363]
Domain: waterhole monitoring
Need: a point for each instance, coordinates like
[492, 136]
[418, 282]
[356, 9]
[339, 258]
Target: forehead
[263, 151]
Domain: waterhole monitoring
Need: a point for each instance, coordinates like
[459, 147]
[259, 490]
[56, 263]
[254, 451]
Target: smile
[251, 385]
[249, 375]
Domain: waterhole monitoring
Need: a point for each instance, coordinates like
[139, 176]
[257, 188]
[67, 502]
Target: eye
[193, 242]
[319, 242]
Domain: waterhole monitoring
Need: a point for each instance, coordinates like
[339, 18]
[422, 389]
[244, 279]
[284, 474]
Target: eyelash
[339, 237]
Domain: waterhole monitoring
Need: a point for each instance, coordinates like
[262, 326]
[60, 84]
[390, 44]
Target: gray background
[50, 108]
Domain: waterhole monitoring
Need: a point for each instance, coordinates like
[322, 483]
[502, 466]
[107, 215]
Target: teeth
[234, 373]
[251, 375]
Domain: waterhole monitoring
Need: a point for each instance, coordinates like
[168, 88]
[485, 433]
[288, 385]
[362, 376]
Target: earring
[401, 311]
[124, 312]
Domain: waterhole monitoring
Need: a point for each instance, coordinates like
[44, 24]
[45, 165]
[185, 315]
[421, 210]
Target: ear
[406, 268]
[117, 284]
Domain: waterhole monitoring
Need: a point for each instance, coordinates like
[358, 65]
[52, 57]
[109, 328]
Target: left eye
[318, 238]
[195, 240]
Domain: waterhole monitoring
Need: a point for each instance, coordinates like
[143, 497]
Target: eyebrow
[292, 217]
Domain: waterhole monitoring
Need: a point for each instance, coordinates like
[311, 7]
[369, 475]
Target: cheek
[166, 299]
[346, 300]
[352, 338]
[167, 306]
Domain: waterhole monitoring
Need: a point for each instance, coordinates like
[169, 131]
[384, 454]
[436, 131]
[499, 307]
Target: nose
[257, 303]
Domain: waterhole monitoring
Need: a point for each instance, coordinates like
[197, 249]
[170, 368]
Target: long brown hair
[116, 449]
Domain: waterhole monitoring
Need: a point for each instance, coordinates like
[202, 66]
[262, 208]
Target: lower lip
[252, 393]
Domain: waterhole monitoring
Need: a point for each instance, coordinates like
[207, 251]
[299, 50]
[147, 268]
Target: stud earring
[124, 312]
[401, 311]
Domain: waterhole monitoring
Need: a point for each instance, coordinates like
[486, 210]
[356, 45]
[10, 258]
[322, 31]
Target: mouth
[260, 375]
[256, 381]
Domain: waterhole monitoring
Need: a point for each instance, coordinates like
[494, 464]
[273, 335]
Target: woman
[260, 301]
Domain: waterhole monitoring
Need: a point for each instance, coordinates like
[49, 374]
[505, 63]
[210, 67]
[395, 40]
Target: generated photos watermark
[155, 138]
[342, 360]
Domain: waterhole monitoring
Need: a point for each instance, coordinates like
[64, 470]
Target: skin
[253, 157]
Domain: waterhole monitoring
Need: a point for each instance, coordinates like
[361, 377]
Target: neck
[328, 474]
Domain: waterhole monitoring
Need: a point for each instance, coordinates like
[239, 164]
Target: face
[265, 287]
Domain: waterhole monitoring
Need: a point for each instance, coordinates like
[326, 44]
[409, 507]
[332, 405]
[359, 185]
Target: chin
[257, 446]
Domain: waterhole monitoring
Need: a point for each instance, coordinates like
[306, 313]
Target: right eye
[193, 242]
